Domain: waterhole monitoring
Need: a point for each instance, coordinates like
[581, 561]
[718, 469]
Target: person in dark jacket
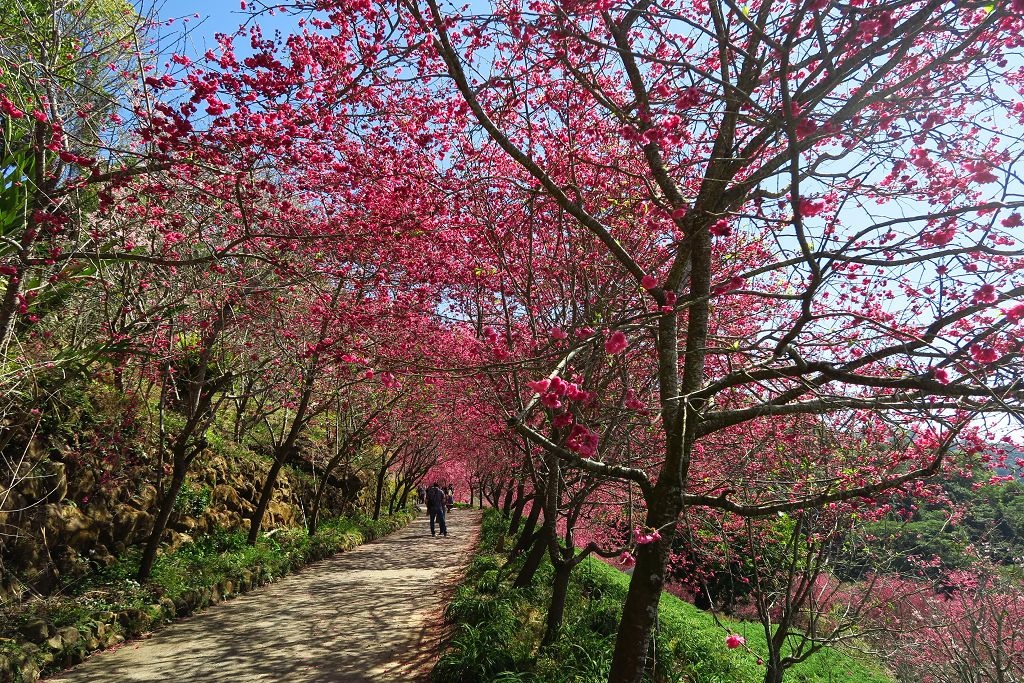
[435, 508]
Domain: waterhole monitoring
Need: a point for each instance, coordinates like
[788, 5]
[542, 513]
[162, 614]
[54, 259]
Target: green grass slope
[498, 632]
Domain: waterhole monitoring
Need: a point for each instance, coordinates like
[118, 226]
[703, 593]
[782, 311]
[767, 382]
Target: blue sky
[215, 16]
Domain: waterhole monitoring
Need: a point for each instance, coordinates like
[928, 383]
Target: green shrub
[192, 499]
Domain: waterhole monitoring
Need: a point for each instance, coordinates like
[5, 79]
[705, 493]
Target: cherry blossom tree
[968, 631]
[833, 192]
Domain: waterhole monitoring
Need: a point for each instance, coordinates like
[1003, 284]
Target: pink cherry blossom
[616, 343]
[721, 228]
[986, 294]
[808, 208]
[583, 441]
[735, 640]
[984, 354]
[550, 400]
[540, 385]
[645, 538]
[939, 238]
[735, 282]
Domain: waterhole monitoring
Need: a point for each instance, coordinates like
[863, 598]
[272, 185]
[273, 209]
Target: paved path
[370, 614]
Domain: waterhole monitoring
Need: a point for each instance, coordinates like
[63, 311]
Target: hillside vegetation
[498, 630]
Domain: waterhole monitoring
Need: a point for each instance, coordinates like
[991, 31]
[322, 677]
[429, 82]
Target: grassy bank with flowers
[498, 631]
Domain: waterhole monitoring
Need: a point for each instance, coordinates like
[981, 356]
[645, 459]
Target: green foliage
[498, 632]
[976, 521]
[193, 500]
[16, 166]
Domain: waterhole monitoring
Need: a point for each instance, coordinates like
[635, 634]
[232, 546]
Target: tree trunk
[393, 498]
[556, 610]
[318, 496]
[639, 615]
[236, 429]
[532, 563]
[526, 536]
[265, 495]
[506, 505]
[160, 524]
[640, 611]
[494, 496]
[774, 671]
[517, 510]
[314, 509]
[379, 496]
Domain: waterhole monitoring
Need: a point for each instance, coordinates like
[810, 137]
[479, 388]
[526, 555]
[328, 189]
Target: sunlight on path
[370, 614]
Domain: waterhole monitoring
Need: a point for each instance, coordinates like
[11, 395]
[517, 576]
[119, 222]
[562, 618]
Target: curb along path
[369, 614]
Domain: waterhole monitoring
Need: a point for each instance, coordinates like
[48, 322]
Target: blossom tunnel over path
[661, 280]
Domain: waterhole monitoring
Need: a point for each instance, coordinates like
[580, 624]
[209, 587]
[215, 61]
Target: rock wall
[68, 513]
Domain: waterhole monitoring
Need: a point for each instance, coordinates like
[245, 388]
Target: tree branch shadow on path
[436, 632]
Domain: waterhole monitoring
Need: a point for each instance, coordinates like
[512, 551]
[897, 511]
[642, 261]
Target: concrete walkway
[370, 614]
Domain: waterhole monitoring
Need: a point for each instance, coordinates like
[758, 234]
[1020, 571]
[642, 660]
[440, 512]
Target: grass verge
[498, 631]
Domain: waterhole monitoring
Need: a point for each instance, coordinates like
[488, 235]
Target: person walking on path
[435, 508]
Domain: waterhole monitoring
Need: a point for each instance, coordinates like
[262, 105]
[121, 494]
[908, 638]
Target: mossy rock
[37, 630]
